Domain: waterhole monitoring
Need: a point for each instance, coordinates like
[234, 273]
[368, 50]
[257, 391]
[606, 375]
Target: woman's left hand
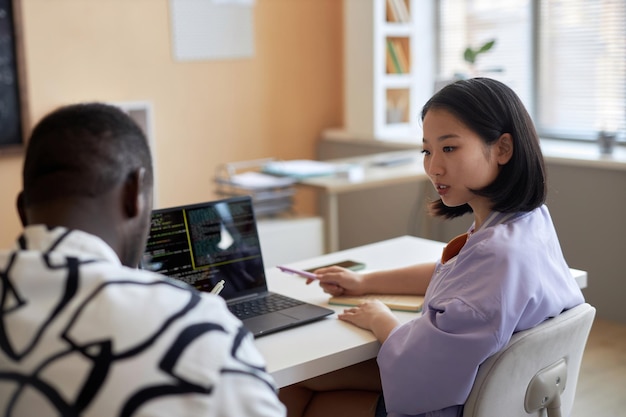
[372, 315]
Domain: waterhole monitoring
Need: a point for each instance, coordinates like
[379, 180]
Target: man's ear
[134, 200]
[504, 148]
[21, 210]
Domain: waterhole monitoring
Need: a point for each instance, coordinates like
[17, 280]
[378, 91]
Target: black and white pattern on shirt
[96, 350]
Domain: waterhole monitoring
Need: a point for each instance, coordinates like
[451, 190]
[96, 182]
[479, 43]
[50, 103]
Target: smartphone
[352, 265]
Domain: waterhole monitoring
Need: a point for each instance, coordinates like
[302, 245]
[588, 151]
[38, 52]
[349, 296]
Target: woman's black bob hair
[490, 109]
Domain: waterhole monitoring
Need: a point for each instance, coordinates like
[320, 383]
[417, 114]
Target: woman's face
[457, 160]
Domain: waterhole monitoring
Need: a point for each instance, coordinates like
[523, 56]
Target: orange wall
[274, 104]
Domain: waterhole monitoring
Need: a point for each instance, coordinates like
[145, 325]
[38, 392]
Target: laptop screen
[202, 244]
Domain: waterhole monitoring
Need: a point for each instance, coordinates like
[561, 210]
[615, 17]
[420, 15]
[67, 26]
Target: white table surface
[317, 348]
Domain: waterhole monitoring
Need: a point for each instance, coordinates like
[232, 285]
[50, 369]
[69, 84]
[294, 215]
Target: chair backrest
[553, 349]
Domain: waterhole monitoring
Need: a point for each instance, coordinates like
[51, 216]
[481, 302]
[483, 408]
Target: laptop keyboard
[262, 305]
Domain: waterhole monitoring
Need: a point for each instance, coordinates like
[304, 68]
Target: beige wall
[205, 112]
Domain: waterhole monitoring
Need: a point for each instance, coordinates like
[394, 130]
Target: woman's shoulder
[513, 255]
[515, 230]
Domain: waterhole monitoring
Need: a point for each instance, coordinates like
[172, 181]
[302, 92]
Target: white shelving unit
[383, 100]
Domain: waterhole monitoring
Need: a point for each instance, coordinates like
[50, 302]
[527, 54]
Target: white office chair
[537, 372]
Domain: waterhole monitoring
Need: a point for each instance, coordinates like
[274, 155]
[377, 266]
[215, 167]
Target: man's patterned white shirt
[82, 335]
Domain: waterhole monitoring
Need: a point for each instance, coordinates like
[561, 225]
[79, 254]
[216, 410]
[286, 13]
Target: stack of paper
[258, 180]
[300, 168]
[270, 194]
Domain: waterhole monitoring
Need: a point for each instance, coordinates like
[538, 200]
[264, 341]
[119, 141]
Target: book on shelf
[398, 56]
[397, 11]
[391, 66]
[391, 11]
[402, 55]
[391, 51]
[403, 11]
[400, 302]
[397, 108]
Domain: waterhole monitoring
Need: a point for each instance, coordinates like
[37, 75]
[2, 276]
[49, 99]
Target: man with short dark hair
[83, 331]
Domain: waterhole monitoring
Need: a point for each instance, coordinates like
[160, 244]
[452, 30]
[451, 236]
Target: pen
[304, 274]
[218, 288]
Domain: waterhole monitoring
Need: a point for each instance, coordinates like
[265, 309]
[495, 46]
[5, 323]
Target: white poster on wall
[212, 29]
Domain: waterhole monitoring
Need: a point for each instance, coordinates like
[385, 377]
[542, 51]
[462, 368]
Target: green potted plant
[471, 55]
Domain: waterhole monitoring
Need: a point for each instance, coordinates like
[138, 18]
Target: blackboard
[10, 110]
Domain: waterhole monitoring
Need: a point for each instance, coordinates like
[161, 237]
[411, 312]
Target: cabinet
[388, 67]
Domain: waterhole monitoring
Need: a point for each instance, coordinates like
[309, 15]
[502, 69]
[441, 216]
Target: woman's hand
[372, 315]
[336, 281]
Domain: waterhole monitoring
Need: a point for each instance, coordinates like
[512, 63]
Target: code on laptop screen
[202, 244]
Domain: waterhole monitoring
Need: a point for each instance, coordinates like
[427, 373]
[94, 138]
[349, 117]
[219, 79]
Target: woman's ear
[504, 148]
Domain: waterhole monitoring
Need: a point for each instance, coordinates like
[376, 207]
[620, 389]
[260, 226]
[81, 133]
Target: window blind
[566, 59]
[582, 67]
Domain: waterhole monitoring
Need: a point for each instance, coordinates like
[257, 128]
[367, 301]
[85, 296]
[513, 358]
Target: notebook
[399, 302]
[203, 244]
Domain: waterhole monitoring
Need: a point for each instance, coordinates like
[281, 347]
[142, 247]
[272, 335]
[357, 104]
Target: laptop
[203, 244]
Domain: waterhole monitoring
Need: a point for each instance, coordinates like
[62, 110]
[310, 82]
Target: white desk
[373, 173]
[314, 349]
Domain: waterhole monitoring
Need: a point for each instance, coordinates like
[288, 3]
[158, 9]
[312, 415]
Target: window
[565, 58]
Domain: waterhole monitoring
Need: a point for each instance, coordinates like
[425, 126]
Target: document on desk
[391, 161]
[300, 168]
[400, 302]
[258, 180]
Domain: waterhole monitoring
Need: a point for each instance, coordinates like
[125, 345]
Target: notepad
[398, 302]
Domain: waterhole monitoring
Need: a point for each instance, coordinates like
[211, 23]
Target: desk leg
[331, 216]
